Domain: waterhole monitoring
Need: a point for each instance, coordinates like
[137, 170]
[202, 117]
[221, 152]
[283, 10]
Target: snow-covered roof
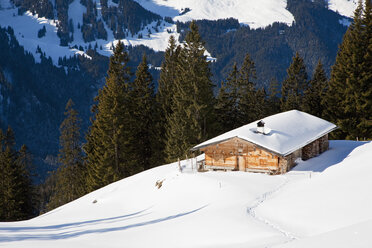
[284, 132]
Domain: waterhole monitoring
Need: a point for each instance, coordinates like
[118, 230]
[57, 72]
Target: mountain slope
[213, 209]
[99, 26]
[256, 14]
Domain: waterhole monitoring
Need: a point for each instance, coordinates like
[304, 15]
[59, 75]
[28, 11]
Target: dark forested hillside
[315, 34]
[33, 95]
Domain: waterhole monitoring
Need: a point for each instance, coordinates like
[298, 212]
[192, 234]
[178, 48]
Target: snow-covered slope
[26, 29]
[327, 196]
[338, 197]
[344, 7]
[254, 13]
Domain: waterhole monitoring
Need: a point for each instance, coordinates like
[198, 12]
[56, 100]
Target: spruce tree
[107, 151]
[224, 109]
[294, 85]
[315, 93]
[228, 100]
[192, 115]
[168, 75]
[273, 101]
[249, 102]
[348, 102]
[15, 180]
[165, 95]
[70, 176]
[26, 193]
[9, 209]
[143, 118]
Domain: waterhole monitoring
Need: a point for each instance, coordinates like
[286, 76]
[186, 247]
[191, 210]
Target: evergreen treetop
[106, 147]
[348, 102]
[294, 85]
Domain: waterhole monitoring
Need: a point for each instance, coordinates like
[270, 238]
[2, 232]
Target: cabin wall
[260, 159]
[237, 154]
[288, 162]
[315, 148]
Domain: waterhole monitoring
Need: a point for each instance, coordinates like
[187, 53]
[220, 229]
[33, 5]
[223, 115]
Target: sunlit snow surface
[254, 13]
[323, 201]
[344, 7]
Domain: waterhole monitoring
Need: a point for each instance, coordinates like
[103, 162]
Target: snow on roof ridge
[289, 131]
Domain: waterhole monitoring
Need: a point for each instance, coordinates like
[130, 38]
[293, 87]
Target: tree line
[135, 127]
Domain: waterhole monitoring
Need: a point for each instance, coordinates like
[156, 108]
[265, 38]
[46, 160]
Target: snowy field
[322, 202]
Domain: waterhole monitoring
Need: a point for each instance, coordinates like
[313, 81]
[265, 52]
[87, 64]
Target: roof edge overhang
[195, 148]
[311, 140]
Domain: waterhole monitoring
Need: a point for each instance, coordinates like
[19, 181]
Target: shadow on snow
[71, 234]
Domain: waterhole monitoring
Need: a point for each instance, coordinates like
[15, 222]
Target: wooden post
[179, 165]
[192, 164]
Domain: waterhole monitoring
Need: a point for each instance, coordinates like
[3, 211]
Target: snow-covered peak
[254, 13]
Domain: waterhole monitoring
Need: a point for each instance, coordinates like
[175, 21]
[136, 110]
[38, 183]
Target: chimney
[261, 127]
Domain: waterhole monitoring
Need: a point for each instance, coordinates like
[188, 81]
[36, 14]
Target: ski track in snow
[261, 199]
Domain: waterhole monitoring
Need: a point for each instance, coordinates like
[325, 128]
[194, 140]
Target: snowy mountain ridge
[256, 14]
[322, 202]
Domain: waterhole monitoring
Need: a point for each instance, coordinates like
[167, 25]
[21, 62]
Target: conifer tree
[26, 193]
[294, 85]
[107, 152]
[315, 93]
[9, 209]
[142, 114]
[227, 106]
[168, 77]
[273, 101]
[70, 176]
[165, 94]
[224, 109]
[15, 180]
[249, 109]
[348, 102]
[192, 110]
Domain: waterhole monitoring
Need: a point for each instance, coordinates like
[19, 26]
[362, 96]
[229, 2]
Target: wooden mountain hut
[270, 145]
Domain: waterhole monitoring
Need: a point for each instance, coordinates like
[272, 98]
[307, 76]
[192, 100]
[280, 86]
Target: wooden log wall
[315, 148]
[237, 154]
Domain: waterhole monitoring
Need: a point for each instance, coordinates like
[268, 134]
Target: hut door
[241, 163]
